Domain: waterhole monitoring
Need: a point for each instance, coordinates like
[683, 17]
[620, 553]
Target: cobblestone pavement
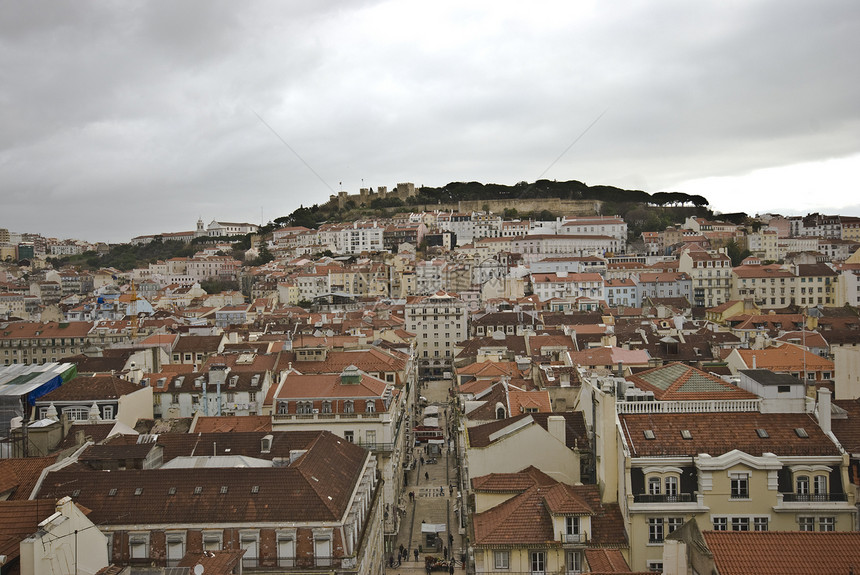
[435, 497]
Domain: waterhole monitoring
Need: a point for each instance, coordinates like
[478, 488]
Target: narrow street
[435, 501]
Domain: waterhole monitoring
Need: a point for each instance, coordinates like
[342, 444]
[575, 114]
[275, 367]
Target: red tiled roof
[783, 552]
[678, 381]
[511, 482]
[785, 358]
[606, 561]
[719, 433]
[317, 487]
[19, 475]
[93, 388]
[232, 423]
[19, 520]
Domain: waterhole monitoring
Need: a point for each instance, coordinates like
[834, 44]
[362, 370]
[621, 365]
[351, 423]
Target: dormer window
[349, 406]
[801, 432]
[326, 406]
[649, 434]
[370, 406]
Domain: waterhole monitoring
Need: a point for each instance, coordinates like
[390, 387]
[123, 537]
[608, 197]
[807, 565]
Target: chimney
[556, 424]
[753, 365]
[824, 409]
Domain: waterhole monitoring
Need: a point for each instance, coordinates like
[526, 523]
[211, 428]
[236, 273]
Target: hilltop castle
[367, 195]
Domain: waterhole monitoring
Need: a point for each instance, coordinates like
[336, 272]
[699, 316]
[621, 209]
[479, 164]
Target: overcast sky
[122, 118]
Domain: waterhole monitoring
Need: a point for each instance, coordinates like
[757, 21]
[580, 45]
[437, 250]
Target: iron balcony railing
[814, 497]
[663, 498]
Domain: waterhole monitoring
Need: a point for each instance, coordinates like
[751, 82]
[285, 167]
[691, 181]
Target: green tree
[737, 255]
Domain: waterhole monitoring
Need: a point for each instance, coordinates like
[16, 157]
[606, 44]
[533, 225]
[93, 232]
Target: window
[326, 406]
[806, 523]
[739, 486]
[349, 406]
[721, 523]
[250, 542]
[286, 548]
[138, 545]
[574, 562]
[655, 530]
[571, 528]
[349, 436]
[760, 523]
[672, 486]
[801, 484]
[370, 406]
[655, 566]
[502, 559]
[826, 523]
[819, 485]
[108, 412]
[175, 548]
[673, 523]
[322, 549]
[740, 523]
[212, 540]
[654, 486]
[538, 562]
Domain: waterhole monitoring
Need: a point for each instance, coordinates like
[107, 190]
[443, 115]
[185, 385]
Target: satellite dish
[198, 569]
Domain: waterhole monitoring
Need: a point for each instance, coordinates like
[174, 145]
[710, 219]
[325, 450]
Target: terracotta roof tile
[511, 482]
[90, 388]
[20, 475]
[678, 381]
[718, 433]
[781, 552]
[606, 561]
[316, 487]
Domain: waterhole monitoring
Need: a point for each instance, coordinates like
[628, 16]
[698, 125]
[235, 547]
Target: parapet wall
[556, 205]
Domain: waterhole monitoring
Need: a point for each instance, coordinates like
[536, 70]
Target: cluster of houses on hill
[614, 406]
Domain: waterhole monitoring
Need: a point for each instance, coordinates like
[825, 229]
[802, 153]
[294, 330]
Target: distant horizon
[121, 120]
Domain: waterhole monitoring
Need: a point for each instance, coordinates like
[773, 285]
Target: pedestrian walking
[445, 553]
[415, 551]
[441, 491]
[426, 476]
[451, 568]
[422, 460]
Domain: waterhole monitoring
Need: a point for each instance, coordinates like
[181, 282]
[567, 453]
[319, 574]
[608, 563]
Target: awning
[433, 528]
[431, 422]
[431, 410]
[437, 441]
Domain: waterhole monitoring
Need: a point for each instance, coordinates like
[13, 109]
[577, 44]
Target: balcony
[573, 538]
[813, 497]
[663, 498]
[809, 502]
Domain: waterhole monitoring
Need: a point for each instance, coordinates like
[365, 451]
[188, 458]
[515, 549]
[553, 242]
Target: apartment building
[612, 226]
[439, 321]
[31, 342]
[157, 504]
[565, 285]
[711, 275]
